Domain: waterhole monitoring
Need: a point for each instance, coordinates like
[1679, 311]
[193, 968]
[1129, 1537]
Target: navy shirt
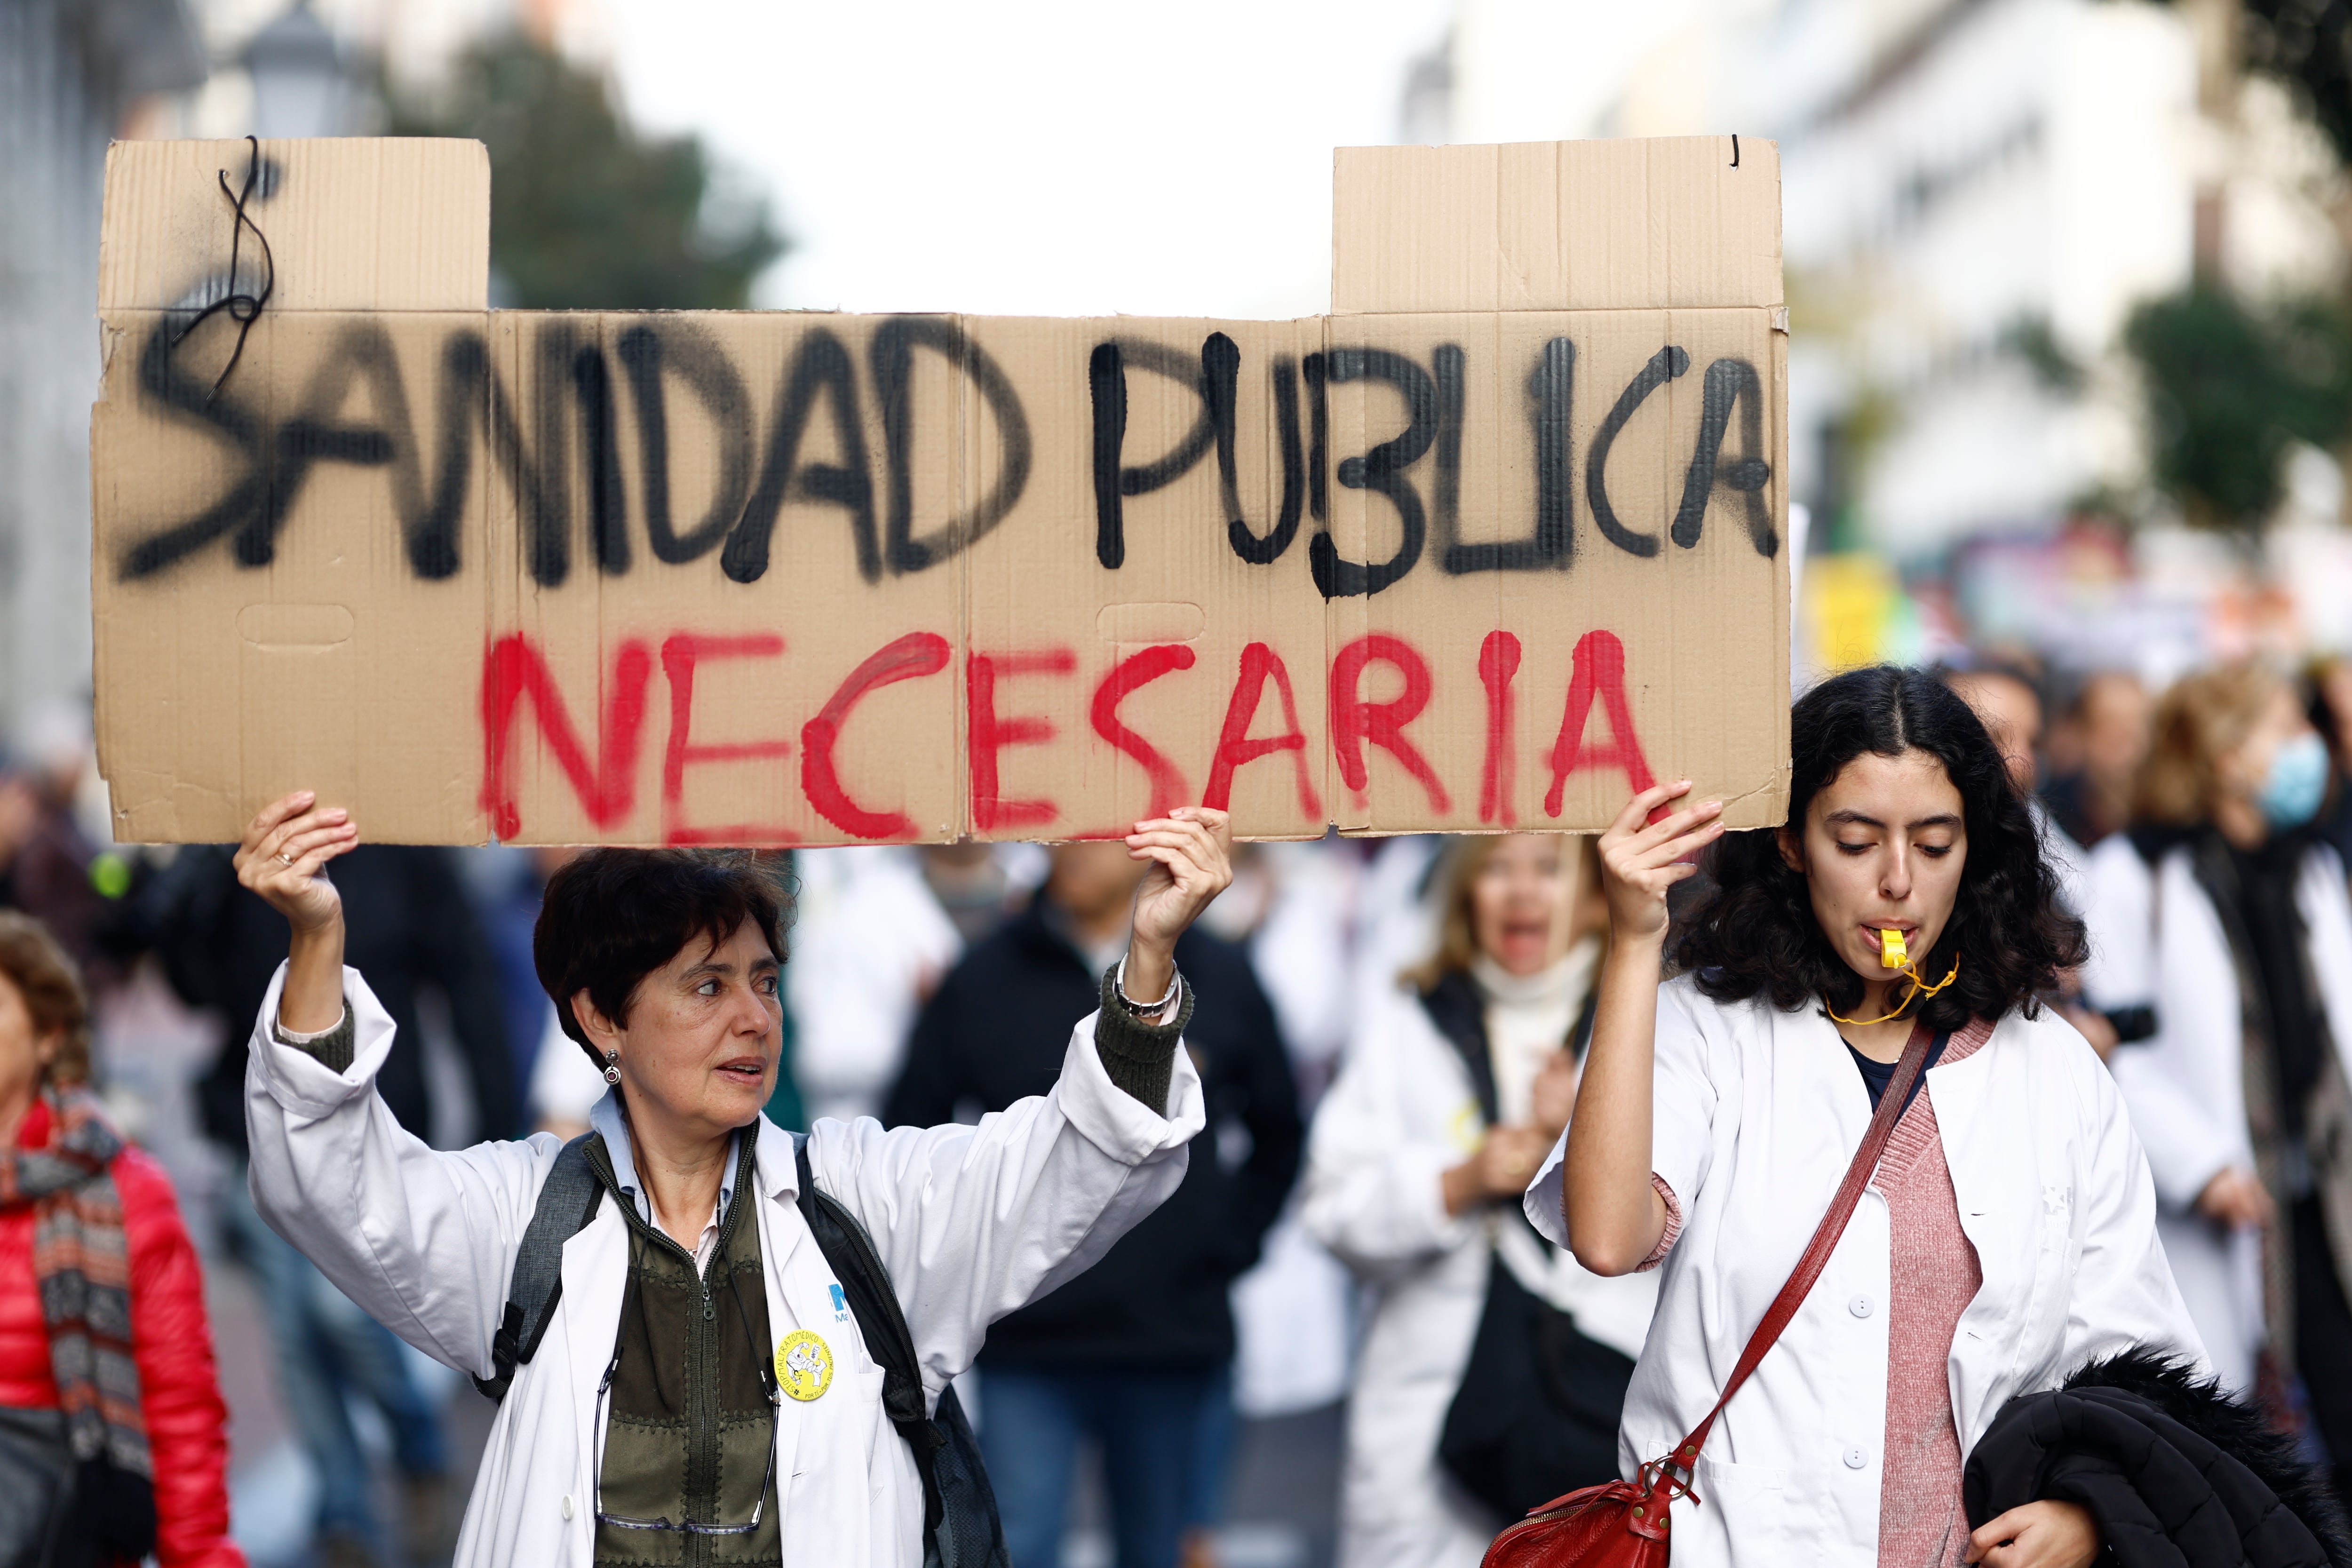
[1876, 1076]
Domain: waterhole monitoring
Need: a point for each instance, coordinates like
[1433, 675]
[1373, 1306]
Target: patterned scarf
[82, 1265]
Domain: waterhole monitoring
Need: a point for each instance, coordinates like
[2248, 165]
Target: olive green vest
[689, 1425]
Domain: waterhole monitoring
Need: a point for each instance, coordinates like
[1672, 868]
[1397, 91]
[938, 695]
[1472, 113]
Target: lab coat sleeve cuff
[1543, 1206]
[1115, 1120]
[333, 1047]
[1672, 1234]
[1139, 1053]
[293, 1074]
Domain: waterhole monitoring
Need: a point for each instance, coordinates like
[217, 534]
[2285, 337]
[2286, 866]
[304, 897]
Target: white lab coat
[2159, 942]
[1757, 1113]
[972, 1222]
[1401, 1113]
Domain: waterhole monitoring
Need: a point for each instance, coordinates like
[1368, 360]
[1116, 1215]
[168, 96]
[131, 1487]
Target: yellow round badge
[803, 1366]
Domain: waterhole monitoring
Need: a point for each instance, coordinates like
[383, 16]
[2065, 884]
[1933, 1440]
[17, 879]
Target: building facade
[71, 71]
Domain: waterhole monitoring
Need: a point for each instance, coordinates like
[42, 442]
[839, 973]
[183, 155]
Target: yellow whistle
[1892, 954]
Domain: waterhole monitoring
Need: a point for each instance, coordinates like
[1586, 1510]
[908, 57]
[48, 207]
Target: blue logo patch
[840, 1302]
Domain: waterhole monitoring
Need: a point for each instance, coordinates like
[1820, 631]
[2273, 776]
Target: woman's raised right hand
[285, 847]
[1641, 859]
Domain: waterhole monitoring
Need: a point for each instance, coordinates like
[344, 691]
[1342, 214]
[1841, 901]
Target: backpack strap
[961, 1525]
[866, 1282]
[567, 1202]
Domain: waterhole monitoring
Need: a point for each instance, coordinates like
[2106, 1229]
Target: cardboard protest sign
[1494, 543]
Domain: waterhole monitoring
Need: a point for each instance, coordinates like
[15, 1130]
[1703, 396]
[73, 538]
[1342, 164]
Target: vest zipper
[702, 1420]
[703, 1411]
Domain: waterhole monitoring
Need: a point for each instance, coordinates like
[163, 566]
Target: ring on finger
[283, 860]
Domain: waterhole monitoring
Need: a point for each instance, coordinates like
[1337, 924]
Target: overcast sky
[1042, 158]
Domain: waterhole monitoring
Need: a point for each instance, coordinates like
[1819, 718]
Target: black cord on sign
[1734, 151]
[243, 308]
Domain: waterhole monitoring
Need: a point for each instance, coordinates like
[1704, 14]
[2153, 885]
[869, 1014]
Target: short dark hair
[1752, 933]
[611, 917]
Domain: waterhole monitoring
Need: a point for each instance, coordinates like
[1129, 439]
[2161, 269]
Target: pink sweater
[1934, 1276]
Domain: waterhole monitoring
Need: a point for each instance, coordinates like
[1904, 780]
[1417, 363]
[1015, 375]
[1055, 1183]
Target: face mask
[2296, 783]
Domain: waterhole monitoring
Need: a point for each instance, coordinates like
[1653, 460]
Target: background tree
[2230, 384]
[585, 212]
[2230, 388]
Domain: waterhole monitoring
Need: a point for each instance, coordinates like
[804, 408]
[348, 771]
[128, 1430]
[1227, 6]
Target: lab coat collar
[777, 1164]
[611, 1122]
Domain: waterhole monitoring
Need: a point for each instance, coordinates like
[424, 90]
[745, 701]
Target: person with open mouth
[712, 1340]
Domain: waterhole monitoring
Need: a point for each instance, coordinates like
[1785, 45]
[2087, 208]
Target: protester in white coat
[1456, 1083]
[2226, 914]
[2009, 1234]
[970, 1222]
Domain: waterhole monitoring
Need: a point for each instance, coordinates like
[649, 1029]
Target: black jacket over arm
[996, 1031]
[2177, 1474]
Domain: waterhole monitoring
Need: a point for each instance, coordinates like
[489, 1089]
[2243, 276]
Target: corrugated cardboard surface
[1654, 224]
[352, 224]
[792, 577]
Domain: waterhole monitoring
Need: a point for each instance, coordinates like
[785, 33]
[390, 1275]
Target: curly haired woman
[2009, 1234]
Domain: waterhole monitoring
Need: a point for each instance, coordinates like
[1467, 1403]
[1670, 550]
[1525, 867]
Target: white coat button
[567, 1505]
[1859, 1306]
[1855, 1459]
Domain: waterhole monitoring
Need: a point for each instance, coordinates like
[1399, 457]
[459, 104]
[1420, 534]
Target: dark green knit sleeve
[332, 1050]
[1139, 1056]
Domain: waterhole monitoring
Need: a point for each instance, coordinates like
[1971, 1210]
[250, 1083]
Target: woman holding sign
[710, 1345]
[1886, 947]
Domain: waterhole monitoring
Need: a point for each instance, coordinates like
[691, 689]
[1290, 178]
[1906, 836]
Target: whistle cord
[243, 308]
[1920, 987]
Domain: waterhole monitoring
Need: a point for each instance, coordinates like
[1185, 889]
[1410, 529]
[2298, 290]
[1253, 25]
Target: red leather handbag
[1627, 1524]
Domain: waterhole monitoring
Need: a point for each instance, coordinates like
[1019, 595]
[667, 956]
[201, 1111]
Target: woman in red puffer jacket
[113, 1451]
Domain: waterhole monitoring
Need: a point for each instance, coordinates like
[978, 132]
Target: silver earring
[612, 1073]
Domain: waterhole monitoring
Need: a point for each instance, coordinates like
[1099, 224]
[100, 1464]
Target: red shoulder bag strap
[1817, 1252]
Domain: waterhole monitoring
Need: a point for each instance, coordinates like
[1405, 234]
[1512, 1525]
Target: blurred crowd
[1387, 1032]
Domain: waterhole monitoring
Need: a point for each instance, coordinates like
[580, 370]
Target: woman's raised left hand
[1643, 854]
[284, 859]
[286, 848]
[1191, 851]
[2045, 1534]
